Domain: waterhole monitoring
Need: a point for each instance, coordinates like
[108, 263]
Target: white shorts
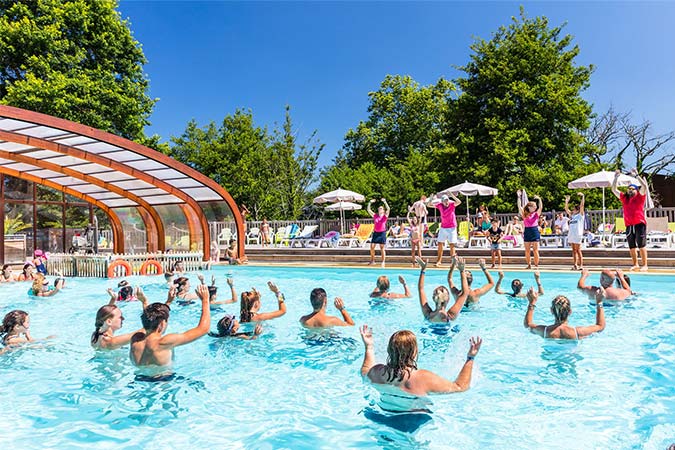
[447, 234]
[574, 239]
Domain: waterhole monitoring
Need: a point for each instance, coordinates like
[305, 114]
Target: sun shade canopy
[108, 171]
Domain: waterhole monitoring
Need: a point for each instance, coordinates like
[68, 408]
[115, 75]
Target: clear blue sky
[207, 58]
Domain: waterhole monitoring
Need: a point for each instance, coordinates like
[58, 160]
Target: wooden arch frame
[198, 219]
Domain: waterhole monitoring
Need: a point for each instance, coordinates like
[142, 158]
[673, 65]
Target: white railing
[97, 265]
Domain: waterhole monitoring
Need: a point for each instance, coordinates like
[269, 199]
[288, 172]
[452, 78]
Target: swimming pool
[290, 389]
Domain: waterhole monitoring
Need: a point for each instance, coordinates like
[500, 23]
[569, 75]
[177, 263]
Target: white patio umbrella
[602, 179]
[470, 189]
[342, 207]
[342, 197]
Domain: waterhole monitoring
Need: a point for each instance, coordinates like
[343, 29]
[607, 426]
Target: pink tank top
[380, 223]
[532, 220]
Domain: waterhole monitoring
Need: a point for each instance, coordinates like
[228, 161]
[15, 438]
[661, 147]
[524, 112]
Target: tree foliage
[74, 59]
[268, 172]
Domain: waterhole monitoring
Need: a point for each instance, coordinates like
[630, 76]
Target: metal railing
[97, 265]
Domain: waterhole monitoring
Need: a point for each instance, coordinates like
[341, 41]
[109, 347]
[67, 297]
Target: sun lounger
[657, 232]
[292, 232]
[363, 233]
[328, 240]
[303, 236]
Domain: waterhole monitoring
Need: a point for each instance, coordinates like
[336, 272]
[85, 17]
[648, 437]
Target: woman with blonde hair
[250, 305]
[382, 289]
[41, 287]
[401, 383]
[561, 310]
[441, 296]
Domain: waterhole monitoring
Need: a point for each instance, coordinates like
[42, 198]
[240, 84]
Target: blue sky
[208, 58]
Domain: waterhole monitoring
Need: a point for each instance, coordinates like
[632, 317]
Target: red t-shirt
[633, 208]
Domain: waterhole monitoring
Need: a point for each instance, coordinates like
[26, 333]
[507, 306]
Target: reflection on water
[562, 357]
[322, 348]
[405, 422]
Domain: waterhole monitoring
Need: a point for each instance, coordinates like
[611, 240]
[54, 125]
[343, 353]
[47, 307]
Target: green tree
[520, 116]
[402, 117]
[74, 59]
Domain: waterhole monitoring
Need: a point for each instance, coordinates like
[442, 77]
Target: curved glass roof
[102, 168]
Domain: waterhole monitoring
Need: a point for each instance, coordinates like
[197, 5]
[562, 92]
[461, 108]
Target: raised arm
[407, 216]
[520, 203]
[233, 293]
[462, 383]
[346, 318]
[615, 183]
[455, 309]
[498, 288]
[454, 198]
[537, 279]
[540, 204]
[624, 284]
[406, 290]
[176, 339]
[643, 184]
[453, 289]
[370, 211]
[490, 282]
[282, 305]
[582, 202]
[387, 209]
[581, 285]
[113, 297]
[599, 316]
[426, 309]
[567, 205]
[170, 297]
[528, 322]
[369, 356]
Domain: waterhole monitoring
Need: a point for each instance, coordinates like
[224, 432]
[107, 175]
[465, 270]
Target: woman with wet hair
[441, 296]
[228, 326]
[27, 273]
[250, 305]
[183, 289]
[382, 289]
[561, 310]
[109, 319]
[401, 372]
[15, 329]
[7, 275]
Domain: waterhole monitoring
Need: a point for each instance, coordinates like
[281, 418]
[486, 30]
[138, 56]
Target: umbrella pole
[467, 207]
[603, 211]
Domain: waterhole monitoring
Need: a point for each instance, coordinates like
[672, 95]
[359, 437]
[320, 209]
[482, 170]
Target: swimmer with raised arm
[441, 296]
[109, 319]
[228, 326]
[474, 294]
[561, 310]
[250, 305]
[607, 278]
[382, 289]
[401, 372]
[517, 286]
[318, 318]
[152, 347]
[41, 287]
[213, 292]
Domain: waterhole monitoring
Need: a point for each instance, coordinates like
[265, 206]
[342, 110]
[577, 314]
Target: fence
[326, 225]
[97, 265]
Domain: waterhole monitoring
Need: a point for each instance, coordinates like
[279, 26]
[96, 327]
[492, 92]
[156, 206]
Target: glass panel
[18, 232]
[219, 215]
[176, 229]
[134, 230]
[105, 233]
[18, 189]
[48, 194]
[79, 236]
[72, 199]
[49, 229]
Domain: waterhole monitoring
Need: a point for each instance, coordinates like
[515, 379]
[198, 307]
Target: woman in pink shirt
[380, 232]
[530, 214]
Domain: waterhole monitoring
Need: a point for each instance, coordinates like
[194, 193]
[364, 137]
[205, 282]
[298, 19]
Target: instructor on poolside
[633, 201]
[448, 229]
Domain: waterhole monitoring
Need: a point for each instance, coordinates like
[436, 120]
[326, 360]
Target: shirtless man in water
[318, 318]
[152, 347]
[607, 278]
[474, 294]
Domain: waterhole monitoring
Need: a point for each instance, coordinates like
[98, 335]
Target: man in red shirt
[633, 201]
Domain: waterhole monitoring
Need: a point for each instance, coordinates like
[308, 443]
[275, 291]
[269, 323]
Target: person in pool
[183, 290]
[213, 291]
[607, 278]
[109, 319]
[441, 296]
[517, 286]
[382, 289]
[41, 287]
[228, 326]
[151, 347]
[401, 372]
[561, 310]
[39, 261]
[7, 275]
[250, 305]
[318, 318]
[27, 273]
[15, 328]
[126, 293]
[474, 294]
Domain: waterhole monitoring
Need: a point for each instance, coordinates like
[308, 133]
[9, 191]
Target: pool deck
[661, 261]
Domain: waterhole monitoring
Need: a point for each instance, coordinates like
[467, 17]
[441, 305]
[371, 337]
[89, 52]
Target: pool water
[295, 389]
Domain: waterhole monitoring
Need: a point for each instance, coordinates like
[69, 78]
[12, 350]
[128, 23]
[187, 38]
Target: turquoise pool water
[289, 389]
